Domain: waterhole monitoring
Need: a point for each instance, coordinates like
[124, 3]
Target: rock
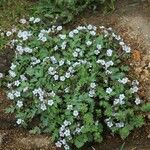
[148, 116]
[148, 136]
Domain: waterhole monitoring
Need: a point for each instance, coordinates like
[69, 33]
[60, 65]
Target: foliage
[65, 10]
[73, 81]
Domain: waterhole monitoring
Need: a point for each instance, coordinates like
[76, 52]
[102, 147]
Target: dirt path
[132, 21]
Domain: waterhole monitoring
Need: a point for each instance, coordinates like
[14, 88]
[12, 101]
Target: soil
[131, 20]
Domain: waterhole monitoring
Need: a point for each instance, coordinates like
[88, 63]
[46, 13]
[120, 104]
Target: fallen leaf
[136, 55]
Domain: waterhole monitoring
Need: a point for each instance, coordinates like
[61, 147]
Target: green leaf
[10, 109]
[36, 130]
[124, 132]
[146, 107]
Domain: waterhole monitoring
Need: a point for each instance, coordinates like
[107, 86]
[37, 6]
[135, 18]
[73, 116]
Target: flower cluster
[72, 80]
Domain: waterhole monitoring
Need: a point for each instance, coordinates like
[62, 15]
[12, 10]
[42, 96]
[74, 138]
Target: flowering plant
[73, 81]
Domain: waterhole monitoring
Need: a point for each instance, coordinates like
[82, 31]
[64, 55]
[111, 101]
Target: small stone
[138, 70]
[148, 116]
[148, 136]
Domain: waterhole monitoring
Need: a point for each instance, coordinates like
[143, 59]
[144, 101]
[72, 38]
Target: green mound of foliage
[75, 82]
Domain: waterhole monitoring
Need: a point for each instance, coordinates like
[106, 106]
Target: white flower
[91, 93]
[58, 144]
[52, 94]
[109, 63]
[53, 59]
[109, 90]
[51, 71]
[135, 82]
[121, 43]
[116, 101]
[109, 123]
[66, 147]
[108, 72]
[134, 89]
[93, 33]
[100, 61]
[119, 125]
[62, 36]
[43, 106]
[75, 54]
[67, 75]
[56, 48]
[137, 101]
[63, 141]
[23, 21]
[126, 48]
[67, 133]
[24, 34]
[90, 27]
[10, 96]
[77, 130]
[14, 30]
[13, 66]
[71, 34]
[78, 50]
[66, 123]
[124, 80]
[99, 47]
[28, 50]
[75, 113]
[69, 107]
[19, 121]
[56, 77]
[63, 45]
[43, 39]
[25, 89]
[109, 52]
[31, 19]
[1, 75]
[93, 85]
[121, 96]
[19, 104]
[50, 102]
[37, 20]
[20, 49]
[17, 94]
[8, 33]
[66, 90]
[59, 28]
[61, 62]
[23, 78]
[62, 78]
[9, 85]
[120, 100]
[2, 34]
[75, 31]
[88, 43]
[96, 52]
[17, 83]
[76, 64]
[94, 28]
[80, 27]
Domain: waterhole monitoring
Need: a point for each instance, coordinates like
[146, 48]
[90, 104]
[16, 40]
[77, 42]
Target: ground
[132, 21]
